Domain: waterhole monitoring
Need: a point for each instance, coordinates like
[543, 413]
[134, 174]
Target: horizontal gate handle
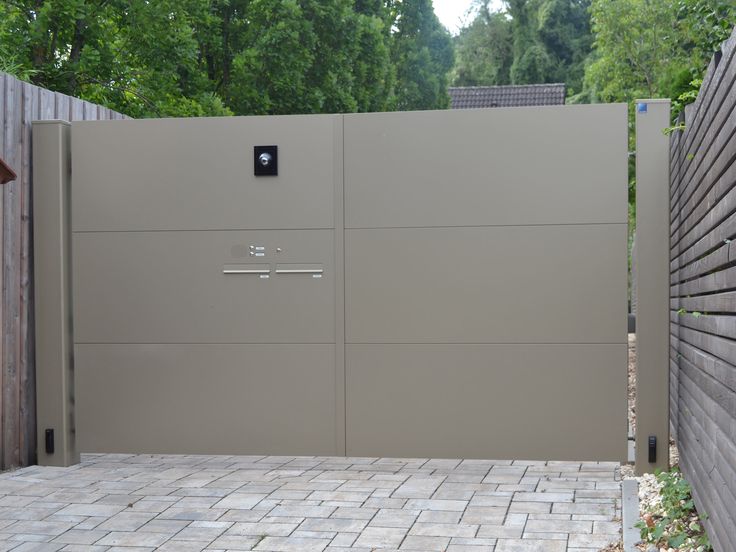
[299, 271]
[246, 271]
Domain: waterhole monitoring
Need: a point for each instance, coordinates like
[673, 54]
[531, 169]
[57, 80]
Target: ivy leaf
[677, 540]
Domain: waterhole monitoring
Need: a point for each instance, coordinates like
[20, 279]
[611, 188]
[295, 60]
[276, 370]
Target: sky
[453, 13]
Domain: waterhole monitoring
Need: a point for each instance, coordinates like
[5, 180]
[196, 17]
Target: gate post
[652, 285]
[52, 245]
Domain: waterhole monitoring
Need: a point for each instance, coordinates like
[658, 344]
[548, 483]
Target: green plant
[673, 521]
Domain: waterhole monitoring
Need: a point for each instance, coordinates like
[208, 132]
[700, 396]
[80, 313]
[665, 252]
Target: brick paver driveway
[185, 503]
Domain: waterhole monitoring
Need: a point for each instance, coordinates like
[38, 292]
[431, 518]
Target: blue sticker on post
[641, 108]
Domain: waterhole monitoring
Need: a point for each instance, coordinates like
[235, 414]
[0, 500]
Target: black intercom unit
[266, 160]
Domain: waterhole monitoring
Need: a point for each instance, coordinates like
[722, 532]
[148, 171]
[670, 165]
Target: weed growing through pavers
[669, 518]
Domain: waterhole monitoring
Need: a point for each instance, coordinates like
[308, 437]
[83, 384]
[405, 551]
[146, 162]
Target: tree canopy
[531, 41]
[220, 57]
[604, 50]
[654, 48]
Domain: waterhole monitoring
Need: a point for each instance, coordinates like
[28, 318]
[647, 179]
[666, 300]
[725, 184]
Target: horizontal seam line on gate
[195, 230]
[488, 225]
[485, 343]
[352, 228]
[350, 343]
[202, 343]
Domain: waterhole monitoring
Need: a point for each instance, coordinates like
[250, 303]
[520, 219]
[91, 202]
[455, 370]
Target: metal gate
[445, 284]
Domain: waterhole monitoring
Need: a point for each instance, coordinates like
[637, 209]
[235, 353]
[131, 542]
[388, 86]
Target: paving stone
[500, 532]
[206, 534]
[345, 540]
[261, 529]
[426, 544]
[381, 537]
[473, 542]
[292, 544]
[334, 525]
[354, 513]
[530, 545]
[606, 527]
[77, 536]
[227, 542]
[394, 518]
[126, 521]
[83, 548]
[441, 505]
[552, 526]
[130, 538]
[191, 514]
[37, 547]
[298, 510]
[474, 515]
[435, 516]
[183, 546]
[469, 548]
[239, 501]
[52, 528]
[168, 526]
[545, 536]
[590, 541]
[544, 497]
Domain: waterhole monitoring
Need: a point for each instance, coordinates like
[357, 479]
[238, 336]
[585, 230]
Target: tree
[484, 50]
[637, 49]
[136, 56]
[654, 48]
[533, 41]
[422, 53]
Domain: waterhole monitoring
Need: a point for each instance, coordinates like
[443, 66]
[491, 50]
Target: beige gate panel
[204, 287]
[197, 174]
[543, 402]
[526, 284]
[515, 166]
[209, 399]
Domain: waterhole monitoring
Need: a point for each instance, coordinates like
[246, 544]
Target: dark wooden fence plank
[717, 302]
[11, 280]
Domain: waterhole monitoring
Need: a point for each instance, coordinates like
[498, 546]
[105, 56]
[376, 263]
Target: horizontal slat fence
[20, 104]
[703, 296]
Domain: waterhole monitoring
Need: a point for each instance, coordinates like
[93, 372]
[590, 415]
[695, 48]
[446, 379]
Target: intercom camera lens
[265, 159]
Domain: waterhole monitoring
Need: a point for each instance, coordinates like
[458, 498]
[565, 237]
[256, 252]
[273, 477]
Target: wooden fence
[20, 104]
[703, 298]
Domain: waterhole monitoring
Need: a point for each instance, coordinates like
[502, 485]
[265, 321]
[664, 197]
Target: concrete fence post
[652, 284]
[54, 356]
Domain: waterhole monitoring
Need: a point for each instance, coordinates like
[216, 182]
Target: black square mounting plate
[265, 160]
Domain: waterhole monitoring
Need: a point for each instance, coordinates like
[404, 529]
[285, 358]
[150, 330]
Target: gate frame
[652, 277]
[52, 278]
[52, 144]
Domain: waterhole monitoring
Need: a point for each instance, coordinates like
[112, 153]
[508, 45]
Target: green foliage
[422, 53]
[637, 49]
[655, 48]
[532, 41]
[219, 57]
[674, 521]
[484, 51]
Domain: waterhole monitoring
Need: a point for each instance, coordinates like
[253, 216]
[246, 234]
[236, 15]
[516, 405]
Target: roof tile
[467, 97]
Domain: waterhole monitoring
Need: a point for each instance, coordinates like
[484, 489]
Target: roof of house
[6, 173]
[465, 97]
